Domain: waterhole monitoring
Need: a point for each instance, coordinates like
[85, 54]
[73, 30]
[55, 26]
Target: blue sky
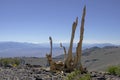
[35, 20]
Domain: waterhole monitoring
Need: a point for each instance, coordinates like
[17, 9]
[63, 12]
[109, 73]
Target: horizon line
[63, 42]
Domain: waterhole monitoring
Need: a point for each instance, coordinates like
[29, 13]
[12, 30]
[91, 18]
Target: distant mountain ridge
[88, 51]
[16, 49]
[5, 45]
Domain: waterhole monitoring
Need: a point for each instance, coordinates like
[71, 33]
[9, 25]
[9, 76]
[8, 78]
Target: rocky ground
[42, 73]
[103, 76]
[26, 73]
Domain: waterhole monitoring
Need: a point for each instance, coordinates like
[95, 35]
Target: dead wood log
[70, 63]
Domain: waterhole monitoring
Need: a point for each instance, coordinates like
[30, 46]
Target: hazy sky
[36, 20]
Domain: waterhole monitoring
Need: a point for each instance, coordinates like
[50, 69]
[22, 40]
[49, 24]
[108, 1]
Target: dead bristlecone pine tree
[70, 62]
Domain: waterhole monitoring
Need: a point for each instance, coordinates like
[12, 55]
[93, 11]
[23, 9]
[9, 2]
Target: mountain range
[19, 49]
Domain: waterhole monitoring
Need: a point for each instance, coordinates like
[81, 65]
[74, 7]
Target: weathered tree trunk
[70, 63]
[65, 54]
[79, 46]
[53, 65]
[50, 38]
[69, 60]
[49, 56]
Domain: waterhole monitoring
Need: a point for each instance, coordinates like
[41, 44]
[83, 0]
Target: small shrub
[76, 75]
[17, 62]
[72, 75]
[6, 61]
[85, 77]
[115, 70]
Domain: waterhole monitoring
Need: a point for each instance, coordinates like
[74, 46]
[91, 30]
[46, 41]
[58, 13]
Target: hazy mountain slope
[101, 58]
[13, 49]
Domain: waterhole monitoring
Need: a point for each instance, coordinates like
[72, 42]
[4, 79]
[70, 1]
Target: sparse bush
[17, 62]
[72, 75]
[7, 61]
[115, 70]
[86, 77]
[76, 75]
[118, 71]
[112, 69]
